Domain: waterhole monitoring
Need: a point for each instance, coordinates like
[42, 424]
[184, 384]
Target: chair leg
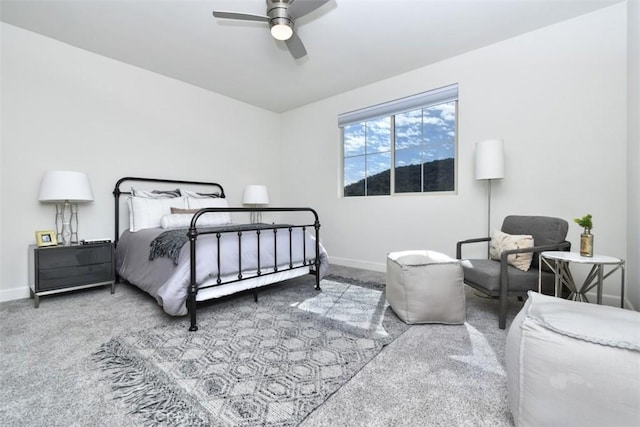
[502, 321]
[504, 292]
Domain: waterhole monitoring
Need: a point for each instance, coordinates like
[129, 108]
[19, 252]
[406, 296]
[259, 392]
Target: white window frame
[391, 108]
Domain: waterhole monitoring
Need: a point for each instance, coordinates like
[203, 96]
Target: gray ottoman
[425, 287]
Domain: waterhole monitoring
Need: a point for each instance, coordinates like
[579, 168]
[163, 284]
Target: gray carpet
[264, 364]
[430, 375]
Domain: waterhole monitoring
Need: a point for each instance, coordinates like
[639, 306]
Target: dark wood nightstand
[58, 269]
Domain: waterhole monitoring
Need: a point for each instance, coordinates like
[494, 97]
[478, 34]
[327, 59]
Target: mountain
[439, 175]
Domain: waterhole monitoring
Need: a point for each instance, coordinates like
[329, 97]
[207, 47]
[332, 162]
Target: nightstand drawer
[73, 256]
[55, 278]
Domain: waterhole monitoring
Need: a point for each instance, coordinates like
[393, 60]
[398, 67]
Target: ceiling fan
[281, 16]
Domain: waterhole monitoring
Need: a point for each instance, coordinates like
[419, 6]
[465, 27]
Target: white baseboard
[14, 294]
[611, 300]
[365, 265]
[607, 299]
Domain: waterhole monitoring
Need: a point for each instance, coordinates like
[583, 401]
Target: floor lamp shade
[66, 189]
[490, 159]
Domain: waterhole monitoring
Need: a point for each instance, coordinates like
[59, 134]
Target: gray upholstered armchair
[499, 279]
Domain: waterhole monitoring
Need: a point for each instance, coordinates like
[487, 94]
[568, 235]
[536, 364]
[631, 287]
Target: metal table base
[559, 263]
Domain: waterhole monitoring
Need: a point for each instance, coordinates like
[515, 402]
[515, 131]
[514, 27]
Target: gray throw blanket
[169, 243]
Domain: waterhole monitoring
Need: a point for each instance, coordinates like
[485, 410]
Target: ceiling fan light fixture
[281, 31]
[281, 16]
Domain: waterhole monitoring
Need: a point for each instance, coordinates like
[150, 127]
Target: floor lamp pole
[489, 165]
[489, 217]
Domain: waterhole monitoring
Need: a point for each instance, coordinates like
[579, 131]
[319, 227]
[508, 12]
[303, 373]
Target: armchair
[498, 279]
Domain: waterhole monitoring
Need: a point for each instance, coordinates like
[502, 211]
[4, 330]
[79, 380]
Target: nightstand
[58, 269]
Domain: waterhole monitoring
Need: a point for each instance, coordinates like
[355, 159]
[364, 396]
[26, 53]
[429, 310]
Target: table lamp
[66, 189]
[255, 195]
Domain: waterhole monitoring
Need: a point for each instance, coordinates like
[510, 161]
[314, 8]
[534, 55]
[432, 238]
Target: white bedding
[169, 283]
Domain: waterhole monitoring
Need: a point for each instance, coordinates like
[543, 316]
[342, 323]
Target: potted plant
[586, 238]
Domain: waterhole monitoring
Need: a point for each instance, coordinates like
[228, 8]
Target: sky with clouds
[421, 136]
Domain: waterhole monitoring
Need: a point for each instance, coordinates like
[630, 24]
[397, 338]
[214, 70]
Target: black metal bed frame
[194, 232]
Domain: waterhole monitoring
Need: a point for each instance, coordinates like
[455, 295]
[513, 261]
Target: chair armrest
[504, 277]
[464, 242]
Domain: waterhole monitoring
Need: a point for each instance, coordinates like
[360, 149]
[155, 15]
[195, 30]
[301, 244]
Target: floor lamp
[489, 165]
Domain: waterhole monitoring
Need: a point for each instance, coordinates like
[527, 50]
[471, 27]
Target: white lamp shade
[255, 195]
[57, 186]
[490, 159]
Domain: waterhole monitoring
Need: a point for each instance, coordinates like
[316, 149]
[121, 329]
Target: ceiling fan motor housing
[278, 13]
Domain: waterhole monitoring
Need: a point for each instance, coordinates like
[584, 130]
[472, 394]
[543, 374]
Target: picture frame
[46, 238]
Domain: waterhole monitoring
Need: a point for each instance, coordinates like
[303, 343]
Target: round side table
[559, 262]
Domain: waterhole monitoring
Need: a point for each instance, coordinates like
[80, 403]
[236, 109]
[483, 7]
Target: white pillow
[147, 213]
[184, 220]
[211, 202]
[207, 202]
[502, 241]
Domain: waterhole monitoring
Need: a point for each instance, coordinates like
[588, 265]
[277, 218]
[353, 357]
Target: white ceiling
[350, 43]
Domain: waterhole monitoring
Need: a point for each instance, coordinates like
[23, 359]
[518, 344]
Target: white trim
[354, 263]
[14, 294]
[607, 299]
[413, 102]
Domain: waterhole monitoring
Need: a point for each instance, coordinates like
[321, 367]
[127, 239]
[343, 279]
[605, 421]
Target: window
[417, 135]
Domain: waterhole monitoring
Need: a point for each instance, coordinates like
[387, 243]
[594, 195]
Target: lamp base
[67, 223]
[255, 217]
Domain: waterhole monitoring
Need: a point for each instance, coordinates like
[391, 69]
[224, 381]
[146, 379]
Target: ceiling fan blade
[296, 47]
[299, 8]
[242, 16]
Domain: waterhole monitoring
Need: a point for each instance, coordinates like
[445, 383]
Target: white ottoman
[573, 364]
[425, 287]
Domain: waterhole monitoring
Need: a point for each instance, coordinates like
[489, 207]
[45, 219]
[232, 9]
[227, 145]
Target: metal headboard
[117, 192]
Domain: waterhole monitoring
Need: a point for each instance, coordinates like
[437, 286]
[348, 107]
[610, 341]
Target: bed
[184, 245]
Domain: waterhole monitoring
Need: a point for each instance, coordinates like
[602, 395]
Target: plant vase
[586, 244]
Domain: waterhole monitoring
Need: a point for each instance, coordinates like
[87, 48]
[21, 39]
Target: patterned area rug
[269, 363]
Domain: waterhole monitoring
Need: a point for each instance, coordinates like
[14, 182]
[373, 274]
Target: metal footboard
[194, 232]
